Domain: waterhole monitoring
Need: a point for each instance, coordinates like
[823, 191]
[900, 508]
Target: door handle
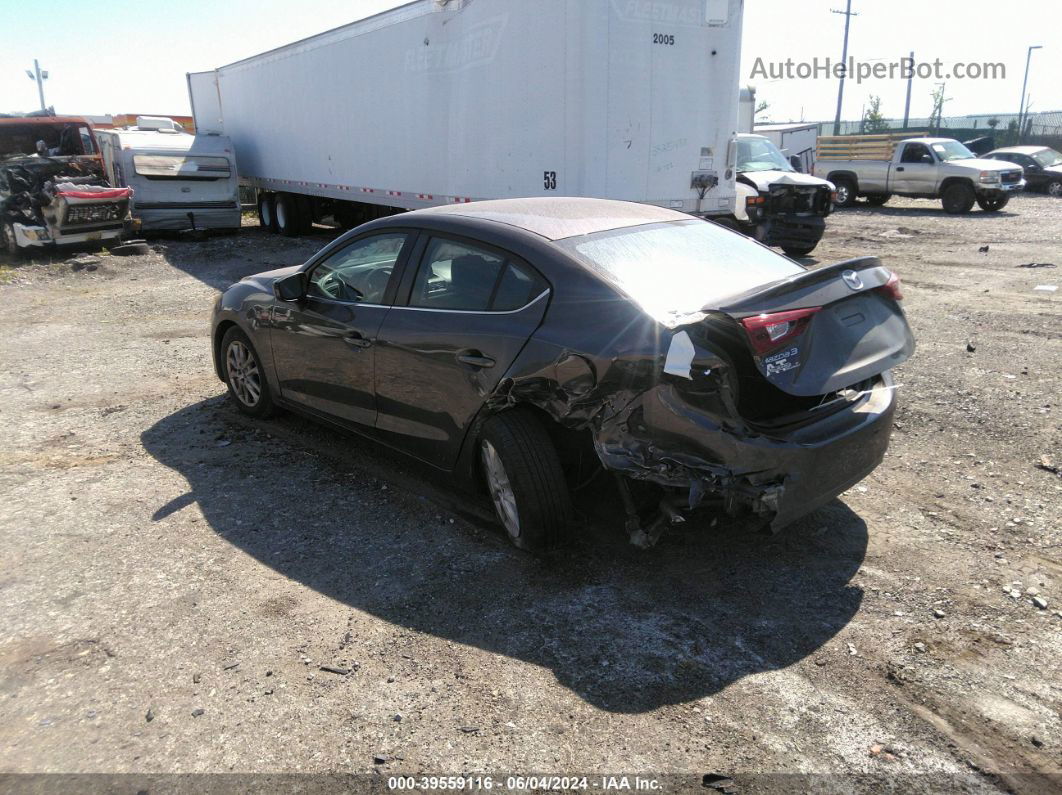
[900, 168]
[475, 359]
[357, 340]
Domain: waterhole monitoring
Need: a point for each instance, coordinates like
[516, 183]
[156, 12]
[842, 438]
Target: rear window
[676, 268]
[181, 166]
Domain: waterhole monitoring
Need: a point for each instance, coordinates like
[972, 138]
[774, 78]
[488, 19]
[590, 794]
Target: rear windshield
[676, 268]
[181, 166]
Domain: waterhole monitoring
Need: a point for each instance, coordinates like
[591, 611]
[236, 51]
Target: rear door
[324, 345]
[470, 310]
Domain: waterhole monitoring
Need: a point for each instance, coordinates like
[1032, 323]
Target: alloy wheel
[501, 490]
[1055, 189]
[842, 194]
[243, 374]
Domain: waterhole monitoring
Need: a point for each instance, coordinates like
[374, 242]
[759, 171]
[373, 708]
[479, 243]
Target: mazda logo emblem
[851, 278]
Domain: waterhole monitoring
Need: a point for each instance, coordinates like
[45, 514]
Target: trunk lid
[823, 330]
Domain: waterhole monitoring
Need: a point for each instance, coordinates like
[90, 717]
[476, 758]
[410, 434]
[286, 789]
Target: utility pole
[40, 76]
[910, 85]
[844, 64]
[1024, 85]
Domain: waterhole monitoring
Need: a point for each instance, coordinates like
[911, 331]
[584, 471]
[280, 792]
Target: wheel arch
[220, 331]
[837, 174]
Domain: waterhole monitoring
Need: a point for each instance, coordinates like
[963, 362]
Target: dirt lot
[173, 576]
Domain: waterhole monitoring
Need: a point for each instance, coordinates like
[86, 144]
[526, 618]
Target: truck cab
[778, 205]
[53, 190]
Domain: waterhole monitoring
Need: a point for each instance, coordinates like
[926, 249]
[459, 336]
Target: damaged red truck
[53, 190]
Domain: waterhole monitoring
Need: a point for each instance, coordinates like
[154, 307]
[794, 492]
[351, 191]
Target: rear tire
[245, 375]
[846, 192]
[993, 204]
[879, 199]
[958, 198]
[267, 216]
[525, 479]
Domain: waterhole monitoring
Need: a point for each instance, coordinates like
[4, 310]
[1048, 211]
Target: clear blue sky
[123, 56]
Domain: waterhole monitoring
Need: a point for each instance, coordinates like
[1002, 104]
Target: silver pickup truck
[925, 168]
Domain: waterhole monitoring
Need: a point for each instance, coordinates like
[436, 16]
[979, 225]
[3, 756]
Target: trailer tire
[846, 192]
[267, 216]
[958, 198]
[287, 213]
[304, 206]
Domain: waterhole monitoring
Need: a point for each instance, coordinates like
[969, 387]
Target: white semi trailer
[447, 101]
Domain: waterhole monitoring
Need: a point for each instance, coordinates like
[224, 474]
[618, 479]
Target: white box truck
[446, 101]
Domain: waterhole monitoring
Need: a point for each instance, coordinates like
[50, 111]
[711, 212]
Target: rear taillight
[892, 288]
[767, 332]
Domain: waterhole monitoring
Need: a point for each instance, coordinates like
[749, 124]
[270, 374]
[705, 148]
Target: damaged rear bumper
[779, 476]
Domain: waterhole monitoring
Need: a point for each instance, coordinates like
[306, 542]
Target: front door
[916, 172]
[470, 311]
[323, 345]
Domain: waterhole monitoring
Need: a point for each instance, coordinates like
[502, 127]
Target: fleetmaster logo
[474, 47]
[684, 13]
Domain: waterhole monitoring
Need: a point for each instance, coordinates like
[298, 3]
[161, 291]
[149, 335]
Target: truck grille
[1010, 177]
[793, 199]
[92, 213]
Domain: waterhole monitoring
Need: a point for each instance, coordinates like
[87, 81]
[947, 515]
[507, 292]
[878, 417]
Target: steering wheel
[334, 287]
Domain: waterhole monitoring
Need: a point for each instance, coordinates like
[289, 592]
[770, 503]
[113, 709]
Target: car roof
[560, 217]
[1020, 150]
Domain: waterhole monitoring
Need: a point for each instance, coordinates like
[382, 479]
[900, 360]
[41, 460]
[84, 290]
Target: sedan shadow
[628, 631]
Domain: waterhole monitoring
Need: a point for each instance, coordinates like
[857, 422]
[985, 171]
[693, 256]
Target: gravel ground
[175, 578]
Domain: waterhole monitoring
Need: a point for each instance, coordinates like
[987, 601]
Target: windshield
[1048, 158]
[45, 139]
[759, 154]
[952, 150]
[676, 268]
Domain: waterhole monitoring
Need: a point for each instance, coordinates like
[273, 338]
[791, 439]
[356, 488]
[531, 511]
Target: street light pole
[1024, 85]
[40, 76]
[844, 64]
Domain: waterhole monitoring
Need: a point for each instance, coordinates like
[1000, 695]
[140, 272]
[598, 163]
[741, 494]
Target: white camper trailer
[447, 101]
[179, 181]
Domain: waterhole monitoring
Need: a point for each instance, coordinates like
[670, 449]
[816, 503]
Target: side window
[458, 276]
[914, 153]
[359, 272]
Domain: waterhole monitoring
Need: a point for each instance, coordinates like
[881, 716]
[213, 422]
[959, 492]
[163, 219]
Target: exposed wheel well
[956, 180]
[219, 335]
[574, 447]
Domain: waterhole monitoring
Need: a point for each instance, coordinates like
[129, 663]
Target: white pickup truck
[924, 168]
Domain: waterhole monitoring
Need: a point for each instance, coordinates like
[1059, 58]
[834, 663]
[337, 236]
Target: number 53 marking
[549, 179]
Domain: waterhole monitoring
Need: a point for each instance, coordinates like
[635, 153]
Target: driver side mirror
[291, 288]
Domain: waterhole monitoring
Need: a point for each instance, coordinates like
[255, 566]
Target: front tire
[1054, 188]
[526, 481]
[846, 192]
[245, 376]
[993, 204]
[8, 241]
[958, 198]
